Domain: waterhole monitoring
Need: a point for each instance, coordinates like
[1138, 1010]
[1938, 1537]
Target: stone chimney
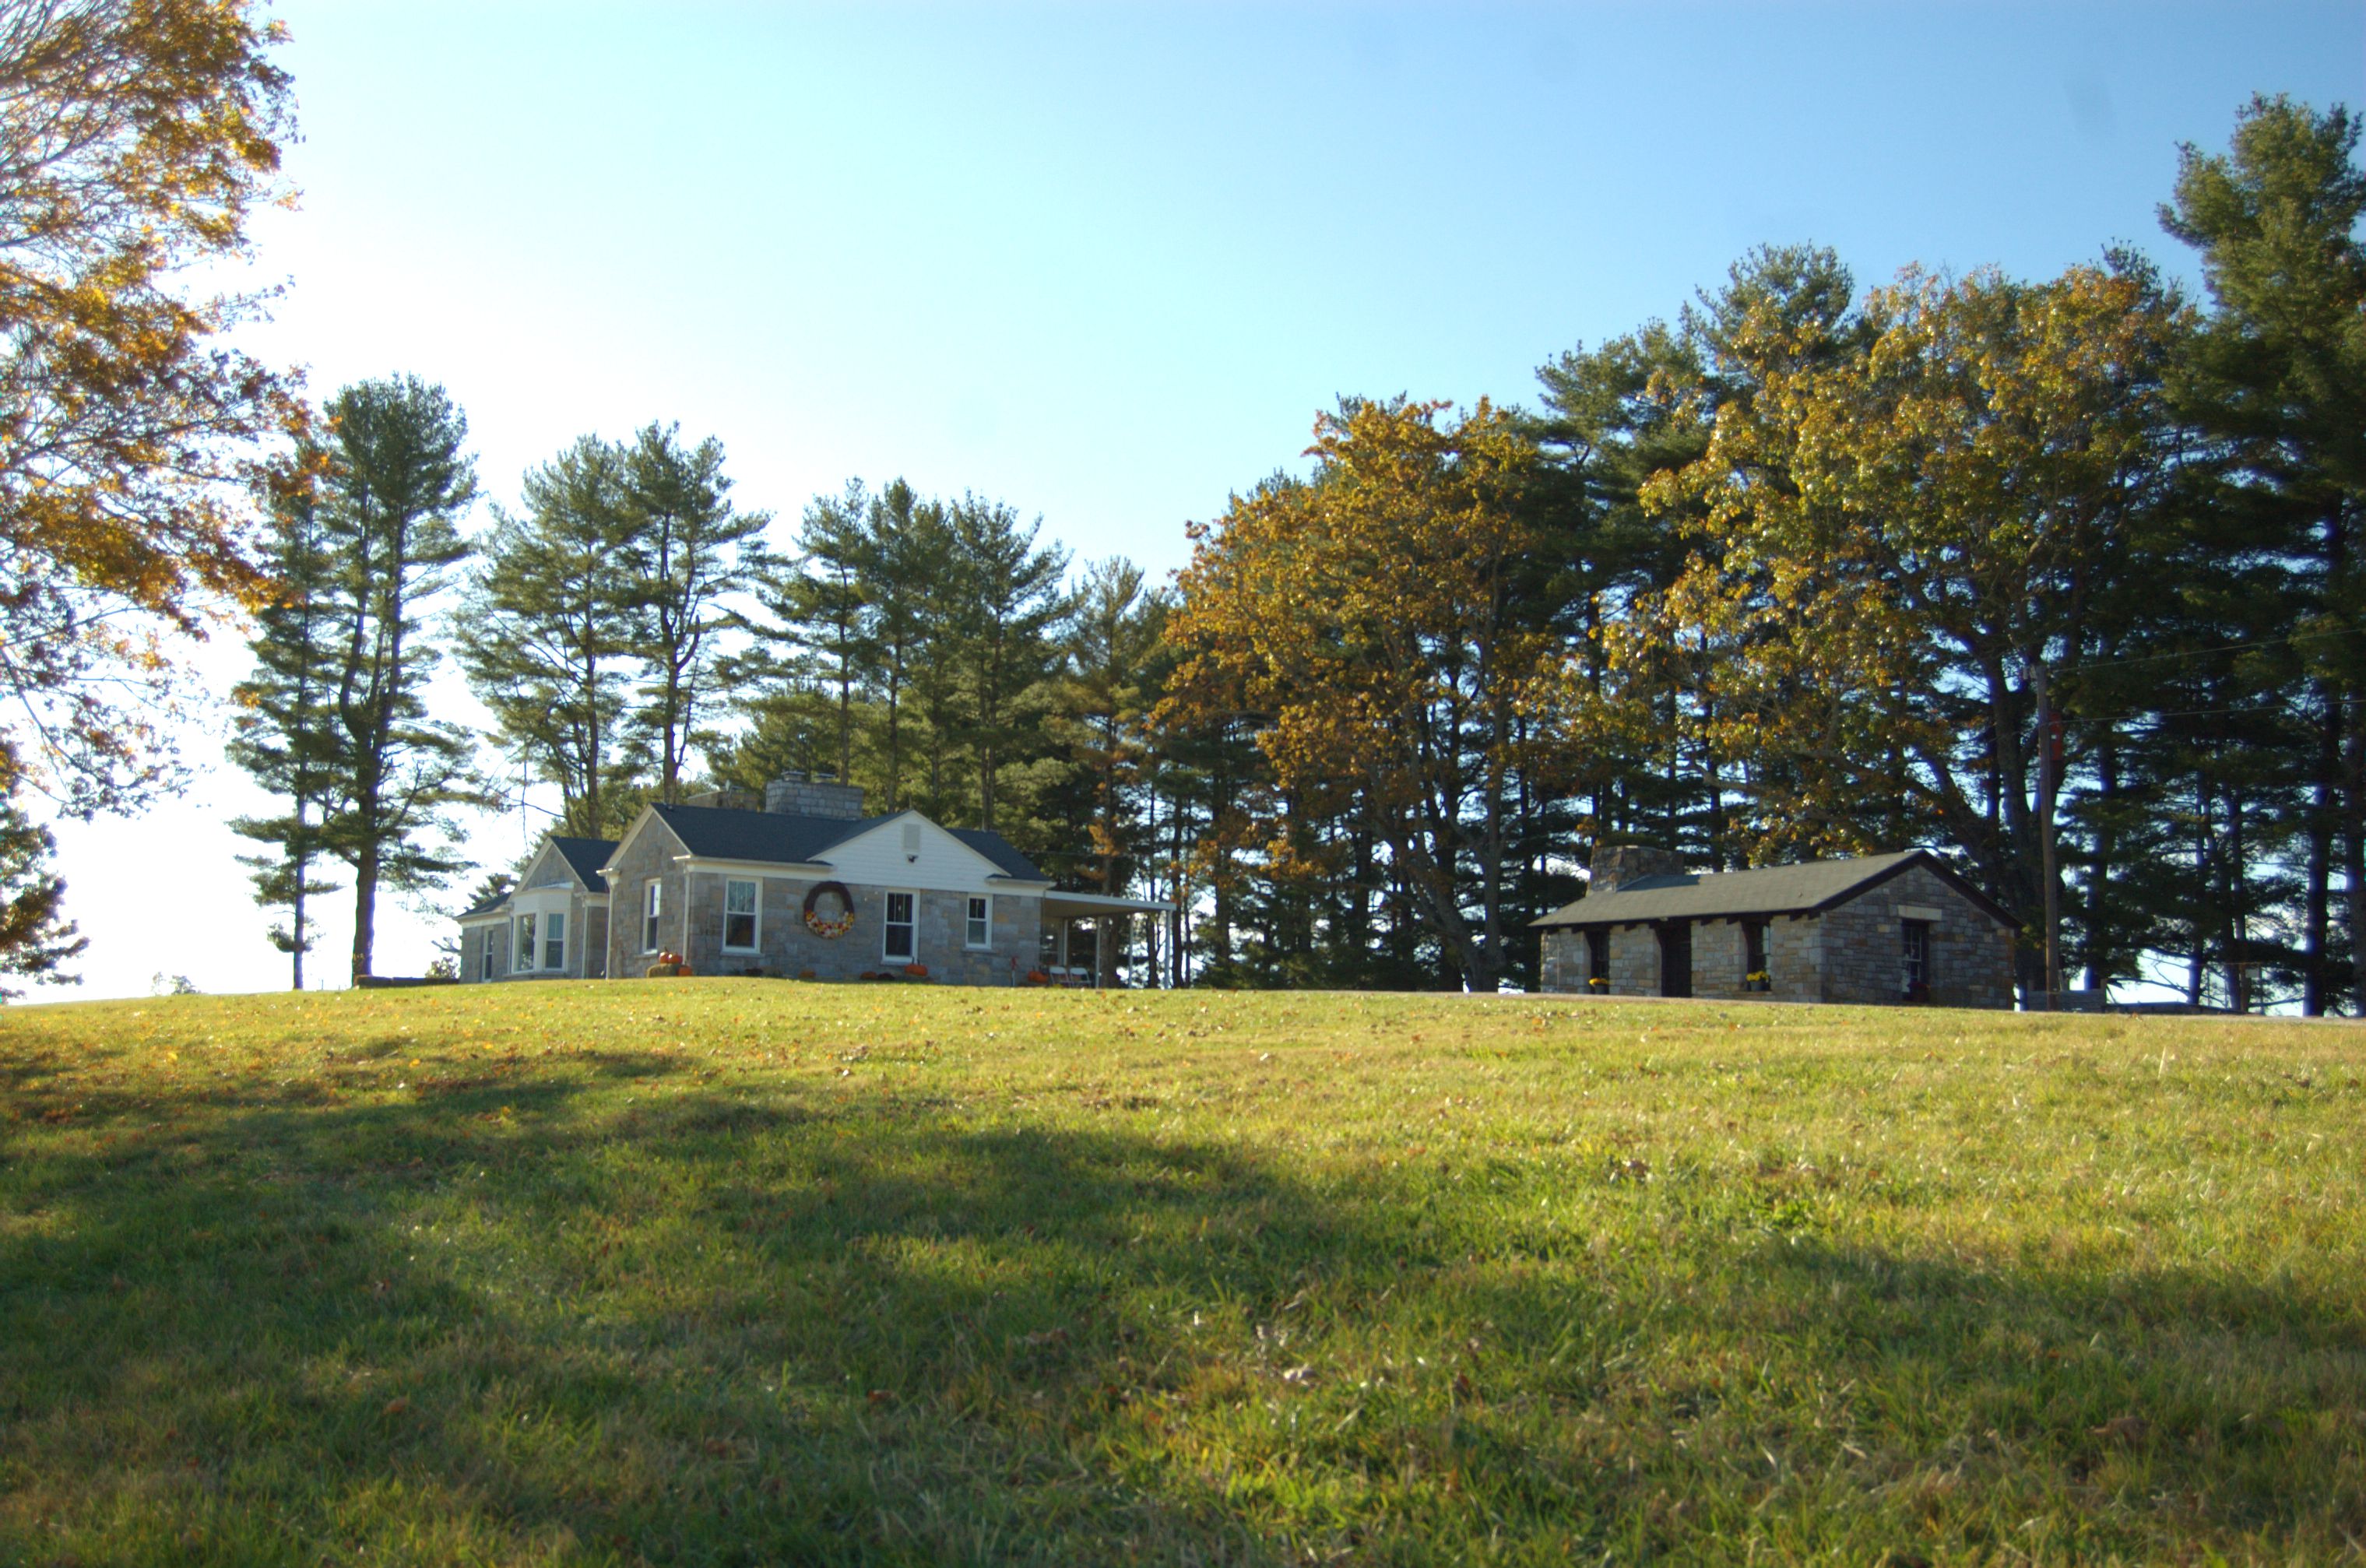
[1620, 865]
[814, 795]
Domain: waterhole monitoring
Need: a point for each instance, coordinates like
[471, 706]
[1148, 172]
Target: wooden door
[1676, 959]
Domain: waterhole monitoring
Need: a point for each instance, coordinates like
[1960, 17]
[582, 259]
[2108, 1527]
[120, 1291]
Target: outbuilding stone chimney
[1620, 865]
[814, 795]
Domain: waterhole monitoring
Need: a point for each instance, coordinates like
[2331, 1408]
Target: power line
[2086, 664]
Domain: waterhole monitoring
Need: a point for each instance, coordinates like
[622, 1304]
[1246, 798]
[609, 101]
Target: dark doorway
[1676, 959]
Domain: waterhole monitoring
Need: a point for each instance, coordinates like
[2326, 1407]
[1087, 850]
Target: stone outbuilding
[1893, 928]
[797, 884]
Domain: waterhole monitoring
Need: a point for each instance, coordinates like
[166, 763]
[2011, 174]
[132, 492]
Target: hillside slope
[742, 1271]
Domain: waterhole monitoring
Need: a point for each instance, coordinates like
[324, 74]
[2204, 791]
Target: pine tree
[810, 661]
[2277, 379]
[35, 939]
[914, 579]
[395, 480]
[283, 734]
[1010, 616]
[691, 548]
[546, 635]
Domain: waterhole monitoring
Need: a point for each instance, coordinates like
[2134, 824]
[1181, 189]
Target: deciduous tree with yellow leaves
[1372, 621]
[138, 137]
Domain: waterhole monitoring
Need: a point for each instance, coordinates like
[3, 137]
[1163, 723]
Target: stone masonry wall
[648, 855]
[1971, 955]
[1561, 959]
[1794, 960]
[1634, 961]
[787, 948]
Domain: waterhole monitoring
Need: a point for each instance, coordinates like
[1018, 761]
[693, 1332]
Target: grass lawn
[745, 1271]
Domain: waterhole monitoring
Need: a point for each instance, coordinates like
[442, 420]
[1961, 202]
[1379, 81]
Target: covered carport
[1078, 929]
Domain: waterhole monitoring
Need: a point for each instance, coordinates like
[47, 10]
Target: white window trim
[886, 925]
[485, 967]
[757, 946]
[987, 900]
[652, 911]
[529, 947]
[548, 938]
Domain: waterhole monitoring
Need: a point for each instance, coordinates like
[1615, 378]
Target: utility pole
[2046, 786]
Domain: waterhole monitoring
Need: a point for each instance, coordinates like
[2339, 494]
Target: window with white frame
[979, 931]
[485, 953]
[521, 945]
[901, 935]
[739, 916]
[554, 940]
[652, 906]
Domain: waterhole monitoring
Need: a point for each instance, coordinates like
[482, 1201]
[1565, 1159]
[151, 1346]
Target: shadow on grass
[605, 1315]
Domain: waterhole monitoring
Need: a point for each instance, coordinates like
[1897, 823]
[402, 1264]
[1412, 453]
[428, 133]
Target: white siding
[944, 864]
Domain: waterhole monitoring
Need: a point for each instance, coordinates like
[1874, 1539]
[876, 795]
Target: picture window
[522, 946]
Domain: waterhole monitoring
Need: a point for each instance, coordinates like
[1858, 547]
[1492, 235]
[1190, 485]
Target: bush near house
[735, 1271]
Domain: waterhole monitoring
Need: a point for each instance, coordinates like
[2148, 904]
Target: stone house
[1875, 929]
[802, 884]
[552, 925]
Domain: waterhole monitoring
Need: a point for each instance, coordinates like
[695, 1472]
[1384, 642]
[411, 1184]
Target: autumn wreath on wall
[821, 924]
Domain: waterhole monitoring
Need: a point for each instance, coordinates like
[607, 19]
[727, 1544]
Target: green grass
[744, 1272]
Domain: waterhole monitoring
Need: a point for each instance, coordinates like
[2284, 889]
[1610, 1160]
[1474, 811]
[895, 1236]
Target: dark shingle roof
[1770, 890]
[1001, 851]
[778, 837]
[585, 857]
[487, 907]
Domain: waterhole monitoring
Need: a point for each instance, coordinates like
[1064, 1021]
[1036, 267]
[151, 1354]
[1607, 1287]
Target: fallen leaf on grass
[397, 1406]
[2123, 1428]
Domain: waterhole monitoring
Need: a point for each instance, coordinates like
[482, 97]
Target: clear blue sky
[1105, 264]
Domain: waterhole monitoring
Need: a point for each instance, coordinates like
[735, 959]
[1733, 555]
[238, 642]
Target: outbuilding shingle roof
[1806, 888]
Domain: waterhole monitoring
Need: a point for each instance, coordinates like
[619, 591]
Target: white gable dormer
[909, 851]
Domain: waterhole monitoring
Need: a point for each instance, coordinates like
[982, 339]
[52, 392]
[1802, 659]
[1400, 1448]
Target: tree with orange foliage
[1373, 621]
[140, 136]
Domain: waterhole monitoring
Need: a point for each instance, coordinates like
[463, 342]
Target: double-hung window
[900, 939]
[739, 915]
[485, 953]
[521, 945]
[979, 929]
[1915, 954]
[652, 906]
[554, 940]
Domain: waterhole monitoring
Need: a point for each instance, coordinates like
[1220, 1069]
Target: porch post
[1063, 946]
